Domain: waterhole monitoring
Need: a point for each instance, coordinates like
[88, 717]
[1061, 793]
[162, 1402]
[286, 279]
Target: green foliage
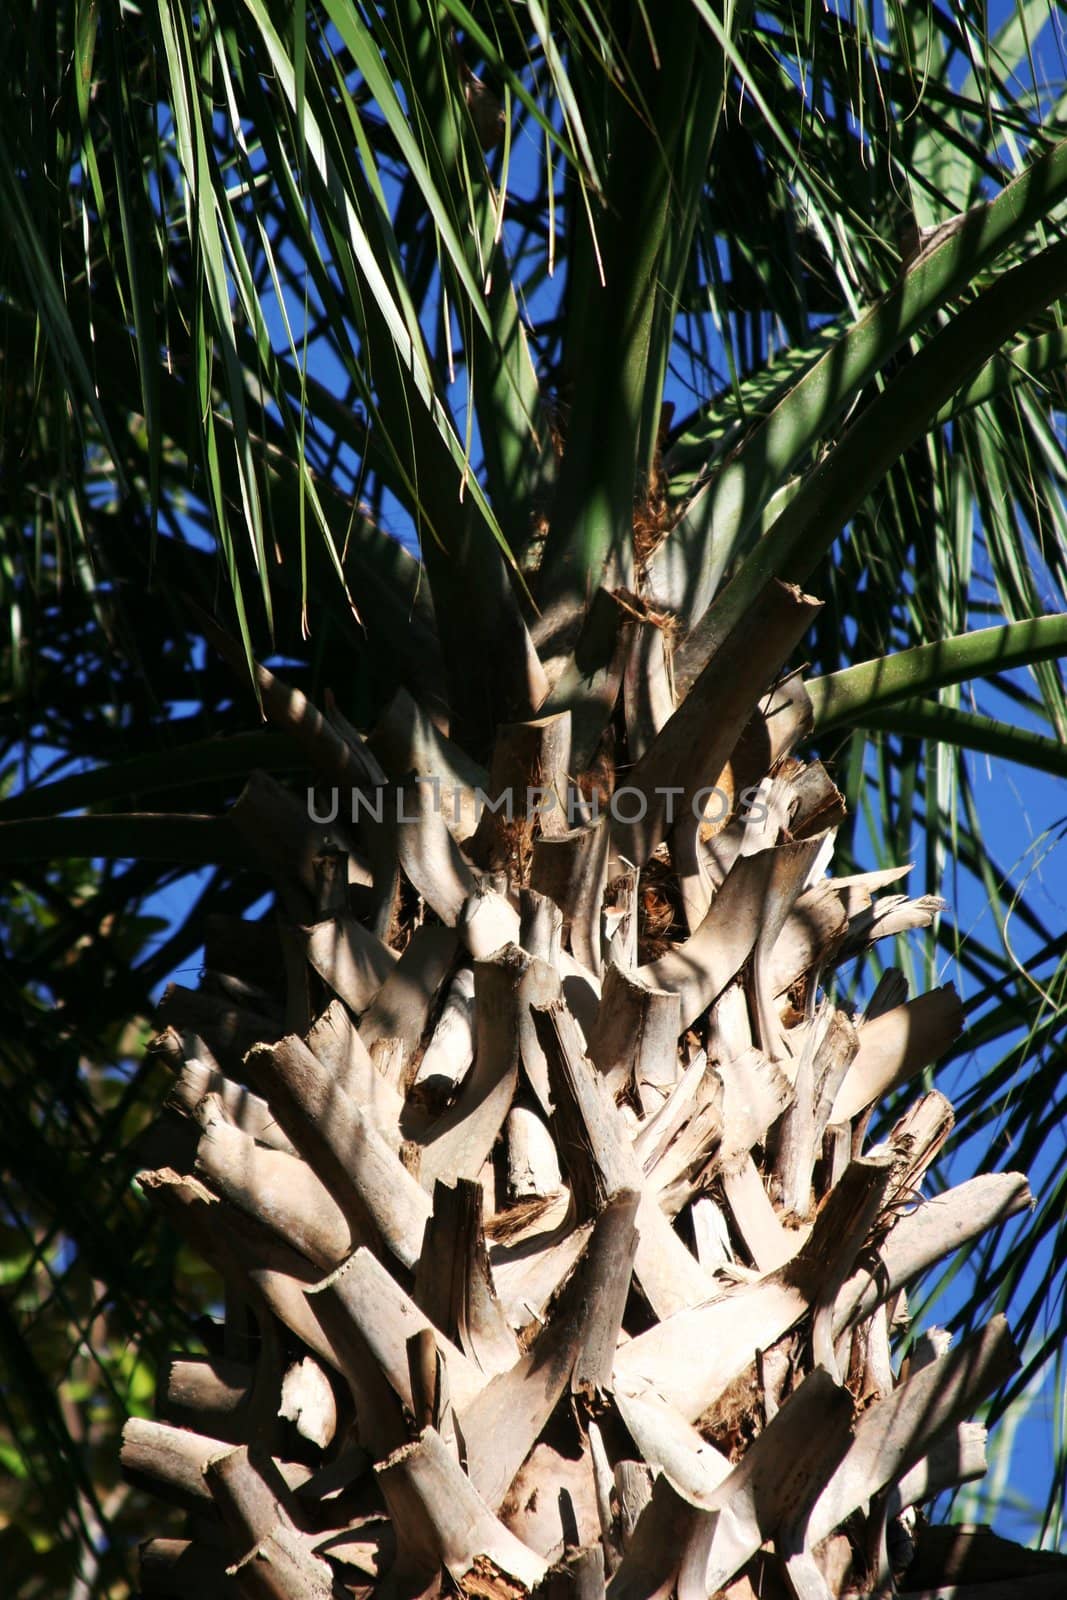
[92, 1290]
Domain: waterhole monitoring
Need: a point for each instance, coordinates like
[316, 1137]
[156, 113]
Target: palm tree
[503, 381]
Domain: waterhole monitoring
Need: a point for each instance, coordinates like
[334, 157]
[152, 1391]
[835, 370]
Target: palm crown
[630, 323]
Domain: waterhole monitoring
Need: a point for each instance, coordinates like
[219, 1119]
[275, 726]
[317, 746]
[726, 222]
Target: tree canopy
[375, 343]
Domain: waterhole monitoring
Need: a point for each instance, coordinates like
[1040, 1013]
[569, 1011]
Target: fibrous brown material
[564, 1273]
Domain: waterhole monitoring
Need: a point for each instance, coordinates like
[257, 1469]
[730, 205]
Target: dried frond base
[556, 1253]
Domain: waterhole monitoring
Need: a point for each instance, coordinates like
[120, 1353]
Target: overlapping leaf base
[556, 1254]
